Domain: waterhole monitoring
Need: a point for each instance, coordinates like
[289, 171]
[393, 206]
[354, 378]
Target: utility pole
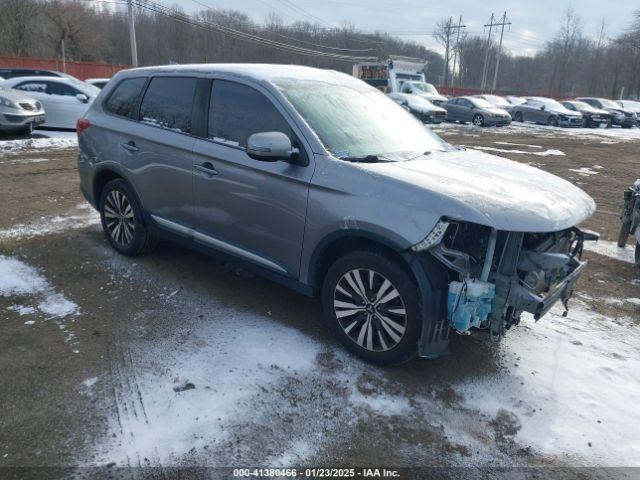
[495, 73]
[445, 71]
[64, 57]
[486, 55]
[132, 35]
[456, 51]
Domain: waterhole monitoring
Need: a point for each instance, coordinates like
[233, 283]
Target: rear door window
[56, 88]
[124, 98]
[39, 87]
[168, 103]
[237, 111]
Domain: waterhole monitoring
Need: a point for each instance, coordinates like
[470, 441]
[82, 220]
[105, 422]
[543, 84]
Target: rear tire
[122, 219]
[637, 254]
[518, 117]
[381, 324]
[624, 233]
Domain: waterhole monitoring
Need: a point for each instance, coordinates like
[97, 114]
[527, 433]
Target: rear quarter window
[168, 103]
[124, 98]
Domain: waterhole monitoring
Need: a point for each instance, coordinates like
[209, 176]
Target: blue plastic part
[469, 303]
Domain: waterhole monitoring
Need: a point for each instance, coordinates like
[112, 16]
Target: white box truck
[399, 75]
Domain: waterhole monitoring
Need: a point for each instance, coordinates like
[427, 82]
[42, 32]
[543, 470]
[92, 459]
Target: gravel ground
[133, 367]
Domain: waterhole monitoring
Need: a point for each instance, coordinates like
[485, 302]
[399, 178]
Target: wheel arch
[340, 243]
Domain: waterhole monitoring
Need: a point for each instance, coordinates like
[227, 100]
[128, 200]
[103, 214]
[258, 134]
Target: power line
[198, 2]
[212, 26]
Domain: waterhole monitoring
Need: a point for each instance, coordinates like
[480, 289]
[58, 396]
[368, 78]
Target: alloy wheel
[478, 120]
[370, 310]
[119, 218]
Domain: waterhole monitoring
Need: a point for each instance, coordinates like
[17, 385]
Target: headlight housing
[5, 102]
[433, 238]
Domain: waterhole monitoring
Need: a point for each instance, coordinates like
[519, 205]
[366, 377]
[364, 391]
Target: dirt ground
[133, 367]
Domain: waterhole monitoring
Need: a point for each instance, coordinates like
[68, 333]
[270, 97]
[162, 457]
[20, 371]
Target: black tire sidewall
[403, 281]
[137, 244]
[519, 117]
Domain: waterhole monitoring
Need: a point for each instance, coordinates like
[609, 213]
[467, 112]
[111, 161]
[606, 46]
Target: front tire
[552, 121]
[372, 305]
[122, 220]
[637, 254]
[518, 117]
[478, 120]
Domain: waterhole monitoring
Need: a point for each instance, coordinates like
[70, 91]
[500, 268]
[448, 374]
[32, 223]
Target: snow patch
[573, 388]
[52, 141]
[19, 279]
[545, 153]
[611, 250]
[22, 310]
[57, 305]
[584, 171]
[81, 216]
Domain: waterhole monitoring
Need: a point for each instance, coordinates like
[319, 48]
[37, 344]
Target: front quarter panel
[347, 200]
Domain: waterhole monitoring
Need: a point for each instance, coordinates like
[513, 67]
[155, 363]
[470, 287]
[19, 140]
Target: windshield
[352, 121]
[87, 88]
[629, 104]
[516, 100]
[581, 105]
[608, 103]
[425, 87]
[496, 100]
[549, 103]
[481, 103]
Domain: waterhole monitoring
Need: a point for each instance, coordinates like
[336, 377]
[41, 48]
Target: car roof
[39, 78]
[256, 71]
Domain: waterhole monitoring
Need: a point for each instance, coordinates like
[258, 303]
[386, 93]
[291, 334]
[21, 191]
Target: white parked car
[19, 112]
[98, 82]
[64, 99]
[420, 107]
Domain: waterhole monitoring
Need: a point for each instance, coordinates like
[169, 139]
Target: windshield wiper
[365, 159]
[423, 154]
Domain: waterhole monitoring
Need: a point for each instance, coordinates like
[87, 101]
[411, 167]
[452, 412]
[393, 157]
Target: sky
[533, 21]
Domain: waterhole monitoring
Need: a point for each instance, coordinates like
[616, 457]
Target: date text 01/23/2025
[316, 473]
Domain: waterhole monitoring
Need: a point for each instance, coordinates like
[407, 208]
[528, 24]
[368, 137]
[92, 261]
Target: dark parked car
[7, 73]
[321, 182]
[619, 116]
[497, 101]
[546, 111]
[420, 107]
[632, 106]
[477, 111]
[591, 116]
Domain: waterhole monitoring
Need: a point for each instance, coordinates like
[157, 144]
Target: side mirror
[543, 107]
[82, 98]
[270, 147]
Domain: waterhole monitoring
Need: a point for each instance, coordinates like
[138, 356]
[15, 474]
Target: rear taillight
[82, 124]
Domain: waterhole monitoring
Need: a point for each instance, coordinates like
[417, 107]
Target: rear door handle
[130, 146]
[207, 169]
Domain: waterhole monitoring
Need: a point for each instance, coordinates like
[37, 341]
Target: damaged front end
[494, 276]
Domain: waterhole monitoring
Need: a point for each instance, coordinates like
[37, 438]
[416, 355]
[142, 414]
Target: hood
[473, 186]
[424, 107]
[434, 96]
[595, 111]
[565, 111]
[15, 95]
[497, 111]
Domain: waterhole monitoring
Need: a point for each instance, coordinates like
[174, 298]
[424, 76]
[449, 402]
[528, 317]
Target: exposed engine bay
[497, 275]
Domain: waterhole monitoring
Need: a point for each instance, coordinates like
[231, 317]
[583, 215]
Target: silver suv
[321, 182]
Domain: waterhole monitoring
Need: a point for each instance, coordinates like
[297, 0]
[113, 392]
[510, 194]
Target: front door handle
[207, 169]
[130, 146]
